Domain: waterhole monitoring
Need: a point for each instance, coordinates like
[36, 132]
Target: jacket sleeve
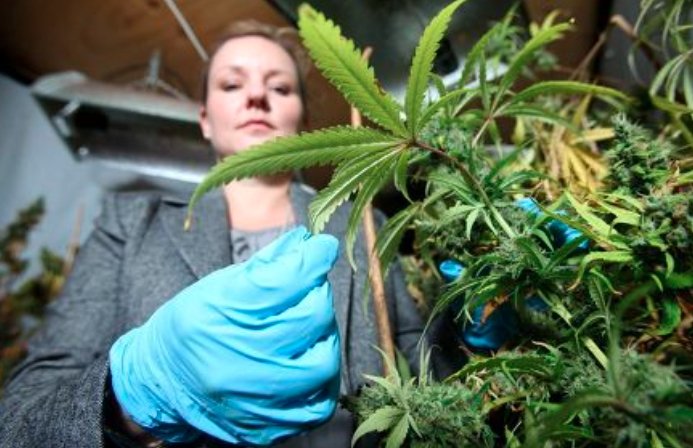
[55, 396]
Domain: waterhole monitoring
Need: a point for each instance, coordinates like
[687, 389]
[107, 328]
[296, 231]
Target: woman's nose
[257, 96]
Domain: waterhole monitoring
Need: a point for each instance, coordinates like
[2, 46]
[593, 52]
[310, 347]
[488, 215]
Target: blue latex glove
[249, 354]
[498, 328]
[562, 232]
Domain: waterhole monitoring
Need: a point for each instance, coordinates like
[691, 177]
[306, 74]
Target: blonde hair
[285, 37]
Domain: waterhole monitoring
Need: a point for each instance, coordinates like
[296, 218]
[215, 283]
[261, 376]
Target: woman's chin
[251, 142]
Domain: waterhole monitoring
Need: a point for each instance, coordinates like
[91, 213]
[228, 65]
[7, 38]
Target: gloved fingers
[242, 423]
[266, 373]
[297, 411]
[529, 205]
[307, 263]
[316, 367]
[296, 240]
[255, 423]
[451, 270]
[294, 331]
[302, 375]
[263, 419]
[283, 335]
[269, 287]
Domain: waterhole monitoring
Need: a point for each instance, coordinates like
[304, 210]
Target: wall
[35, 163]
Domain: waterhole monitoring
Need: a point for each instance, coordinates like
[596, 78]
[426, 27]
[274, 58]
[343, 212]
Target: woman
[207, 336]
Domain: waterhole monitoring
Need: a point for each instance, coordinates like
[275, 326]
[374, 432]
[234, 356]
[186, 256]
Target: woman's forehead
[251, 53]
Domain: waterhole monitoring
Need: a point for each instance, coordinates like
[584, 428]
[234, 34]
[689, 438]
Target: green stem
[469, 177]
[488, 407]
[596, 351]
[493, 110]
[482, 129]
[687, 135]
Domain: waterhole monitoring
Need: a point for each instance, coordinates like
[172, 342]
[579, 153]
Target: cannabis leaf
[422, 64]
[339, 60]
[347, 178]
[537, 42]
[328, 146]
[381, 420]
[566, 87]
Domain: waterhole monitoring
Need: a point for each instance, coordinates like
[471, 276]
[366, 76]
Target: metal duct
[138, 131]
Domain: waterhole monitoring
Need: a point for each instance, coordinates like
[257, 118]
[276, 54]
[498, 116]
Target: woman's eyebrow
[242, 70]
[230, 68]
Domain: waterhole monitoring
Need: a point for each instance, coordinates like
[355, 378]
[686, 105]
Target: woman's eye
[282, 90]
[229, 86]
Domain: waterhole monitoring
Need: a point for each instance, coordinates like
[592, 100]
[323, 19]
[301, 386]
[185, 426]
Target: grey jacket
[137, 258]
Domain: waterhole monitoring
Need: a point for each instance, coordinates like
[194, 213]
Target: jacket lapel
[206, 246]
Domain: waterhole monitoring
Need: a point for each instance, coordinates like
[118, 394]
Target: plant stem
[481, 131]
[687, 135]
[374, 273]
[469, 177]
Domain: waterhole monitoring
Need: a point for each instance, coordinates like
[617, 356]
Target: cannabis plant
[595, 289]
[23, 299]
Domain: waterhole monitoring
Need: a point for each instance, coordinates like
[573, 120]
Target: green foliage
[668, 22]
[343, 65]
[22, 302]
[423, 63]
[639, 163]
[575, 373]
[322, 147]
[651, 398]
[432, 414]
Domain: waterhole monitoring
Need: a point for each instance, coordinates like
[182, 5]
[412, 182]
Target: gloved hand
[562, 233]
[249, 354]
[498, 328]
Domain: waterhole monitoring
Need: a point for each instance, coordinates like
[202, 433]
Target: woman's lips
[256, 124]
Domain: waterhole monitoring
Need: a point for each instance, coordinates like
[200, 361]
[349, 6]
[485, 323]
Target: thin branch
[375, 274]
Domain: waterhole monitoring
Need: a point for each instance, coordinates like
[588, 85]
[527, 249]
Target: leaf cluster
[426, 413]
[650, 401]
[638, 162]
[23, 302]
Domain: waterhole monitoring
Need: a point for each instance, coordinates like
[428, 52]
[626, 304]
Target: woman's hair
[285, 37]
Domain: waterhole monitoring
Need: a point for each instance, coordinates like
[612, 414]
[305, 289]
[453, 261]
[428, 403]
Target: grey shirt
[244, 243]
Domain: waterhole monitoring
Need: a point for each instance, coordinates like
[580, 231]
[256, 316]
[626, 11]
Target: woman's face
[252, 95]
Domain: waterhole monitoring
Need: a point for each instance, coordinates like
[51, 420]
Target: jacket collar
[206, 246]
